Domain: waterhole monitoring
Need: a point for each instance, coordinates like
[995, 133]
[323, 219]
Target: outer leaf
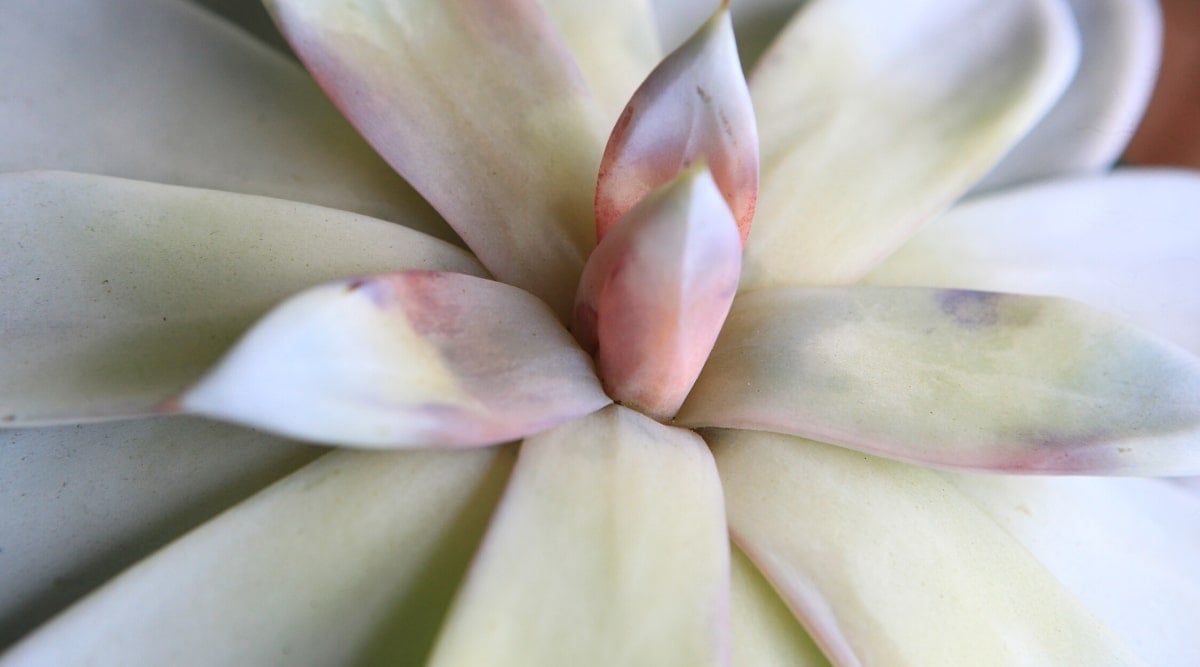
[408, 359]
[609, 548]
[694, 106]
[614, 43]
[655, 293]
[958, 379]
[873, 118]
[480, 106]
[118, 294]
[1089, 127]
[893, 566]
[163, 91]
[1125, 547]
[82, 503]
[352, 558]
[1124, 243]
[764, 630]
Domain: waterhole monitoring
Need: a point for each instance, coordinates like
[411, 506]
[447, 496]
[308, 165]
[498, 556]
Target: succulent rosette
[630, 349]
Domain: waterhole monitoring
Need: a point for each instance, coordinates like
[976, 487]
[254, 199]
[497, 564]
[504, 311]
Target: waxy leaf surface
[655, 293]
[1093, 120]
[1127, 243]
[411, 359]
[693, 107]
[608, 548]
[165, 91]
[887, 564]
[1126, 548]
[353, 558]
[873, 117]
[84, 502]
[614, 44]
[118, 294]
[481, 107]
[953, 378]
[765, 632]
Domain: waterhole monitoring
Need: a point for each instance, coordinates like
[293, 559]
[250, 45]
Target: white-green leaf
[411, 359]
[764, 630]
[615, 44]
[889, 565]
[1127, 243]
[353, 558]
[164, 91]
[1127, 548]
[1097, 115]
[117, 294]
[83, 502]
[482, 108]
[609, 548]
[873, 117]
[953, 378]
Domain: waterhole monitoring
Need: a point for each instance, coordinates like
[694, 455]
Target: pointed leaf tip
[656, 291]
[955, 379]
[694, 105]
[418, 358]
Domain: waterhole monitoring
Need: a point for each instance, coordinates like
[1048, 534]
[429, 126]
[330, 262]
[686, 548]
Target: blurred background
[1170, 131]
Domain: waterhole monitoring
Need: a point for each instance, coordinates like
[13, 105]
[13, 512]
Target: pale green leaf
[609, 548]
[873, 117]
[764, 631]
[1126, 548]
[615, 44]
[1126, 243]
[889, 565]
[480, 105]
[1098, 114]
[164, 91]
[354, 557]
[952, 378]
[118, 294]
[83, 502]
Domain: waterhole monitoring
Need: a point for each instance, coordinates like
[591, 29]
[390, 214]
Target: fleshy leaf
[1089, 126]
[872, 117]
[83, 502]
[353, 558]
[480, 105]
[409, 359]
[614, 43]
[892, 566]
[693, 107]
[655, 293]
[1125, 547]
[1125, 243]
[196, 103]
[118, 294]
[957, 379]
[608, 548]
[764, 631]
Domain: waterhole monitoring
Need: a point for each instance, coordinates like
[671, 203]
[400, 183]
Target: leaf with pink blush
[410, 359]
[955, 379]
[609, 547]
[119, 294]
[694, 106]
[480, 105]
[657, 289]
